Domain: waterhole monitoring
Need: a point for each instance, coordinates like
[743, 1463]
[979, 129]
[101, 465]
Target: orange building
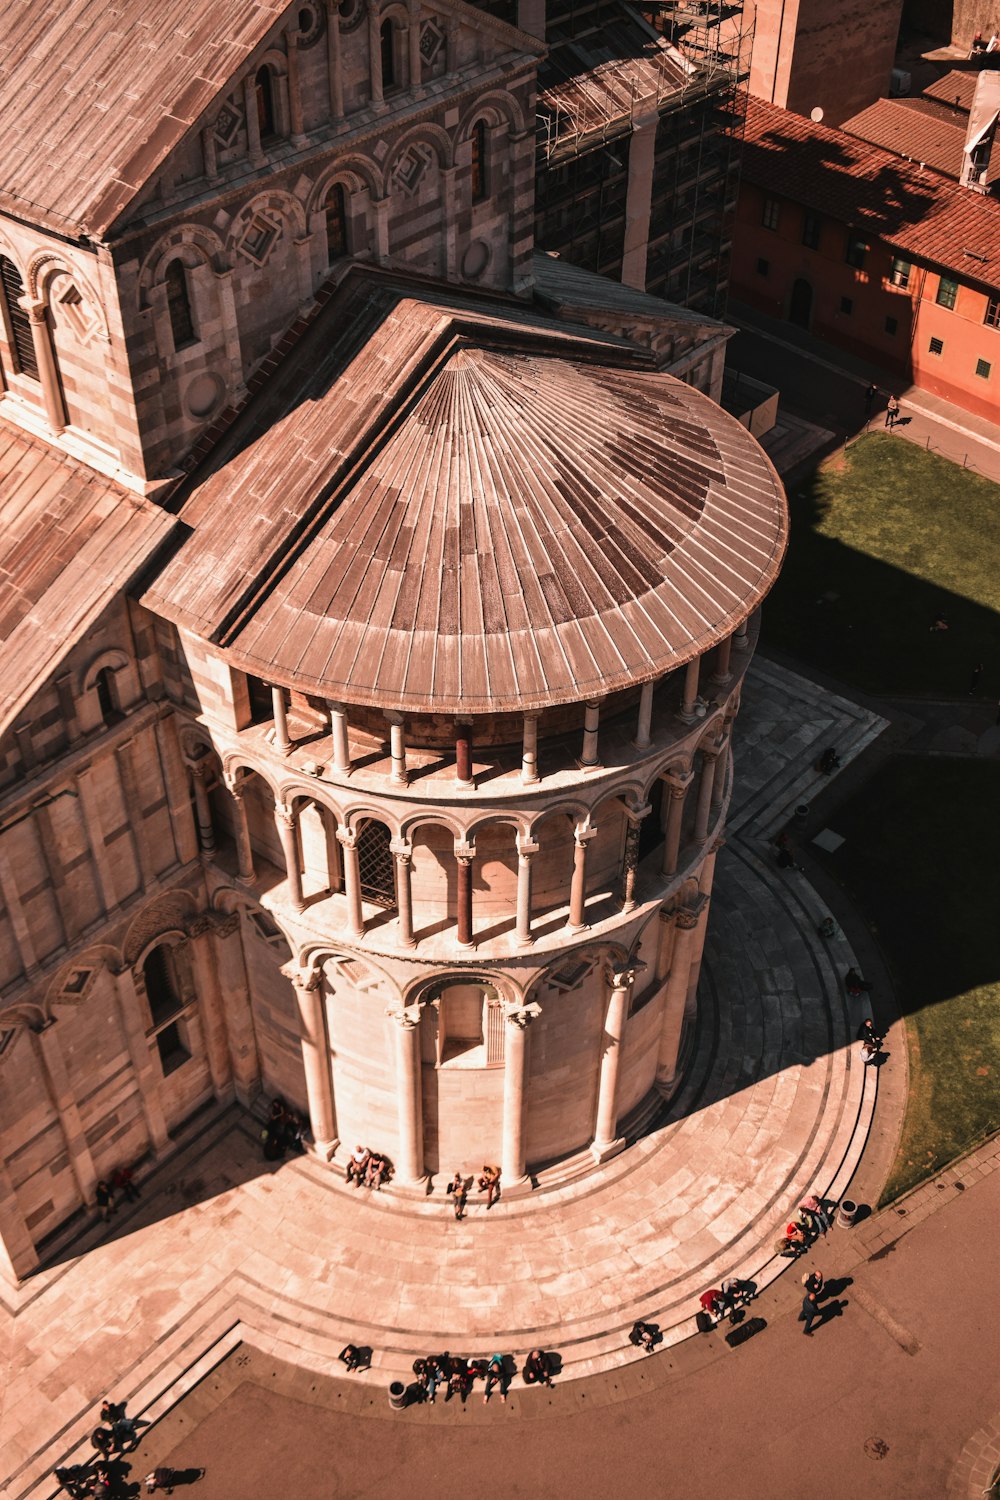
[871, 253]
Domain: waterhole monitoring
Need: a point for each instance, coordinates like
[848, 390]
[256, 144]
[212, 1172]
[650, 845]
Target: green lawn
[879, 545]
[920, 860]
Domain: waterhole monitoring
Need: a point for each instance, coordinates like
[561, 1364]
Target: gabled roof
[906, 131]
[69, 541]
[443, 503]
[918, 212]
[94, 94]
[957, 88]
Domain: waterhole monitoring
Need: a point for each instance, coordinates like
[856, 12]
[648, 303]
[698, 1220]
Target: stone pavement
[225, 1248]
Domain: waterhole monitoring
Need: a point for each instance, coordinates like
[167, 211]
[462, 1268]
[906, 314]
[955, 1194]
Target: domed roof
[531, 528]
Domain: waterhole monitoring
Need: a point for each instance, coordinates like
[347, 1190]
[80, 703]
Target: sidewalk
[826, 386]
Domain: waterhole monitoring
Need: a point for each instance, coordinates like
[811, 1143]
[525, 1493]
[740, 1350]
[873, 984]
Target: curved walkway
[775, 1104]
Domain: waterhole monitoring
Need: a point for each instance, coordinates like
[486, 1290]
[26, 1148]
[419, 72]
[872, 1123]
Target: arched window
[336, 222]
[480, 175]
[104, 684]
[179, 305]
[375, 863]
[387, 36]
[161, 986]
[23, 346]
[264, 86]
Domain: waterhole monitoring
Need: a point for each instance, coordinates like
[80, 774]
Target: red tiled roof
[906, 131]
[69, 540]
[955, 88]
[94, 95]
[448, 504]
[920, 213]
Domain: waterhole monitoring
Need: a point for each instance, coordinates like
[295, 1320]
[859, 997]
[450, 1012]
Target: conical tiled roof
[531, 528]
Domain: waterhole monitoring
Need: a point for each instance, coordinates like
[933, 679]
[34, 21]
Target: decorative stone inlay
[431, 41]
[259, 238]
[227, 123]
[411, 168]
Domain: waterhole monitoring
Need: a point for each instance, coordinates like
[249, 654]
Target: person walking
[974, 678]
[809, 1313]
[489, 1183]
[105, 1199]
[870, 395]
[458, 1192]
[892, 413]
[125, 1432]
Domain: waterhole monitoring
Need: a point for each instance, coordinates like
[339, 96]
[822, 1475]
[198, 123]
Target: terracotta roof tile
[920, 213]
[923, 137]
[513, 512]
[93, 96]
[69, 540]
[957, 88]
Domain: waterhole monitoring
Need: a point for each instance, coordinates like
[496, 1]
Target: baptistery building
[377, 600]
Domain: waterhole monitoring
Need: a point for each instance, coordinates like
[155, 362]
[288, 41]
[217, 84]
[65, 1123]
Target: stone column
[18, 1257]
[397, 748]
[643, 739]
[638, 199]
[664, 942]
[688, 708]
[282, 743]
[308, 986]
[710, 759]
[254, 147]
[413, 39]
[463, 752]
[203, 809]
[298, 135]
[698, 946]
[234, 993]
[348, 840]
[53, 1067]
[529, 750]
[742, 632]
[674, 999]
[287, 823]
[589, 757]
[677, 787]
[630, 862]
[410, 1160]
[375, 56]
[605, 1142]
[719, 780]
[382, 207]
[464, 854]
[721, 673]
[448, 177]
[402, 854]
[45, 359]
[527, 848]
[578, 885]
[244, 848]
[200, 930]
[333, 59]
[518, 1018]
[146, 1076]
[341, 746]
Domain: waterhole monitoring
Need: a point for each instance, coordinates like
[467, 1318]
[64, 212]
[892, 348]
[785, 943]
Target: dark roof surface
[918, 212]
[95, 93]
[69, 540]
[922, 136]
[466, 506]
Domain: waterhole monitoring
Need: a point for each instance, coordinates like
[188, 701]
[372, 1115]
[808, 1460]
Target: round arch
[425, 134]
[356, 172]
[496, 109]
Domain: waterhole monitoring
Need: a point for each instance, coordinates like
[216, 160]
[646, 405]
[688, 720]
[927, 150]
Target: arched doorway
[800, 307]
[462, 1055]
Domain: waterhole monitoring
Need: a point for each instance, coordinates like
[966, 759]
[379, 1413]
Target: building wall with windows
[840, 264]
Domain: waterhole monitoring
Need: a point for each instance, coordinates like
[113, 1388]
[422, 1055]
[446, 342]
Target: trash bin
[397, 1395]
[847, 1212]
[802, 812]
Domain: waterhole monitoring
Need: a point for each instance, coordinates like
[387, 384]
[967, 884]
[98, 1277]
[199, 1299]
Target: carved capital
[521, 1016]
[678, 782]
[526, 846]
[348, 837]
[198, 925]
[636, 814]
[465, 852]
[401, 850]
[285, 817]
[303, 979]
[406, 1017]
[686, 918]
[583, 833]
[622, 978]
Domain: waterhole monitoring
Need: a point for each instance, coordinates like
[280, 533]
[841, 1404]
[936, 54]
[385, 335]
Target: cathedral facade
[377, 602]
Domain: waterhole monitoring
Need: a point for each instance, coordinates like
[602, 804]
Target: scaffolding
[684, 65]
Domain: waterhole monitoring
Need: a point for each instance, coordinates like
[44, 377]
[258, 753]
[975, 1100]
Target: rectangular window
[763, 266]
[847, 306]
[173, 1053]
[891, 325]
[810, 231]
[771, 213]
[947, 292]
[992, 318]
[900, 273]
[857, 249]
[936, 346]
[983, 369]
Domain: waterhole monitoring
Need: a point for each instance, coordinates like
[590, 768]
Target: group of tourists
[369, 1167]
[284, 1131]
[454, 1375]
[488, 1182]
[121, 1184]
[812, 1219]
[116, 1433]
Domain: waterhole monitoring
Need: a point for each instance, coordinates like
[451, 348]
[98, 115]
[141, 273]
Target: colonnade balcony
[448, 758]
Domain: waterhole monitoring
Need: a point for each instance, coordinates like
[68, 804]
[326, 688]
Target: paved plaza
[226, 1248]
